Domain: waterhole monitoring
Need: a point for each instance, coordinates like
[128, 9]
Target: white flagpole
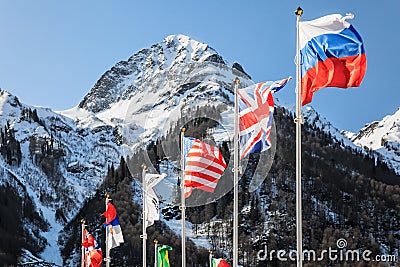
[155, 252]
[144, 213]
[236, 178]
[183, 199]
[107, 259]
[83, 237]
[210, 257]
[298, 121]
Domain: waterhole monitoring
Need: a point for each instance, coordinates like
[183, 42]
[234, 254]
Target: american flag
[256, 108]
[203, 165]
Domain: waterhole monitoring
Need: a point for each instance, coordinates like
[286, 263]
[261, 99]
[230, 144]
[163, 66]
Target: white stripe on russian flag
[330, 24]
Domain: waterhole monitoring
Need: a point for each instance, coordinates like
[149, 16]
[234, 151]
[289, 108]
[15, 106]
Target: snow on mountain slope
[66, 154]
[138, 99]
[311, 116]
[85, 152]
[382, 137]
[62, 163]
[125, 77]
[149, 91]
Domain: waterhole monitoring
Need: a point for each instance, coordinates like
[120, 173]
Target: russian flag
[332, 55]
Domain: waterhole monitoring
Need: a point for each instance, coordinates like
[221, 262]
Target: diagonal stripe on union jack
[256, 108]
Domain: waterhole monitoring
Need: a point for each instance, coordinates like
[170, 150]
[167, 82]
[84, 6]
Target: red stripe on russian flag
[333, 72]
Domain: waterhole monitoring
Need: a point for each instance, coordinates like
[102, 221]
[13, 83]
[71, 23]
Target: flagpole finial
[107, 195]
[299, 11]
[83, 221]
[236, 81]
[144, 167]
[183, 129]
[211, 252]
[155, 241]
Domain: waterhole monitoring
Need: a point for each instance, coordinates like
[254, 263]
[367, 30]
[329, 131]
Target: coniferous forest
[346, 194]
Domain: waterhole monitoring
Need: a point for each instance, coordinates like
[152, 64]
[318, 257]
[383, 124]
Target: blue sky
[52, 52]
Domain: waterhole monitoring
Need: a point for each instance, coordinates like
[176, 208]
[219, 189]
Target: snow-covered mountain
[123, 80]
[383, 137]
[66, 154]
[61, 163]
[151, 89]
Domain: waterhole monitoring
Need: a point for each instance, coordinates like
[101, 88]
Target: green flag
[162, 256]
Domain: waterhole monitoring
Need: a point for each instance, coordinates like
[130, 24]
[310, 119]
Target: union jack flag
[256, 108]
[203, 166]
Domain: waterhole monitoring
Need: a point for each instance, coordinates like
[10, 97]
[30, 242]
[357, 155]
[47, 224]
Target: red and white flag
[203, 166]
[93, 254]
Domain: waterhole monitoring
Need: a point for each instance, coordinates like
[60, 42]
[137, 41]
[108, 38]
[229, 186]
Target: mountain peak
[384, 138]
[9, 106]
[125, 77]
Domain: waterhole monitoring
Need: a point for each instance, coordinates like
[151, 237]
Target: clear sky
[52, 52]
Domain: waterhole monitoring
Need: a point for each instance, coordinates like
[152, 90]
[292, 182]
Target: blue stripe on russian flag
[115, 222]
[347, 43]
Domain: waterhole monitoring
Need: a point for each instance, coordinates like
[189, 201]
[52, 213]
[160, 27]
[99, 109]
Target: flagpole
[83, 236]
[155, 252]
[298, 121]
[144, 213]
[107, 259]
[236, 178]
[210, 257]
[183, 199]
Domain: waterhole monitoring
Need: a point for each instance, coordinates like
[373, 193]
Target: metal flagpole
[83, 237]
[155, 252]
[183, 199]
[298, 121]
[144, 213]
[107, 259]
[236, 178]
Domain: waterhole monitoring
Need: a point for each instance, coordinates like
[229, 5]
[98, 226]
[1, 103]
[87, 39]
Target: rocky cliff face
[60, 158]
[122, 80]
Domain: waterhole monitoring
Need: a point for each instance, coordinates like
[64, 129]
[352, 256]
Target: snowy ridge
[66, 154]
[122, 80]
[83, 149]
[311, 116]
[383, 137]
[131, 105]
[79, 156]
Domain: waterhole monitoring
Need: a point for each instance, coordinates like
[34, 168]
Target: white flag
[152, 202]
[153, 179]
[152, 207]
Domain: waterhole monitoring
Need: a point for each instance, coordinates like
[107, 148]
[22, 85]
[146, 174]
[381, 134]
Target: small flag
[152, 202]
[332, 55]
[162, 256]
[256, 108]
[153, 179]
[203, 165]
[93, 251]
[219, 263]
[113, 228]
